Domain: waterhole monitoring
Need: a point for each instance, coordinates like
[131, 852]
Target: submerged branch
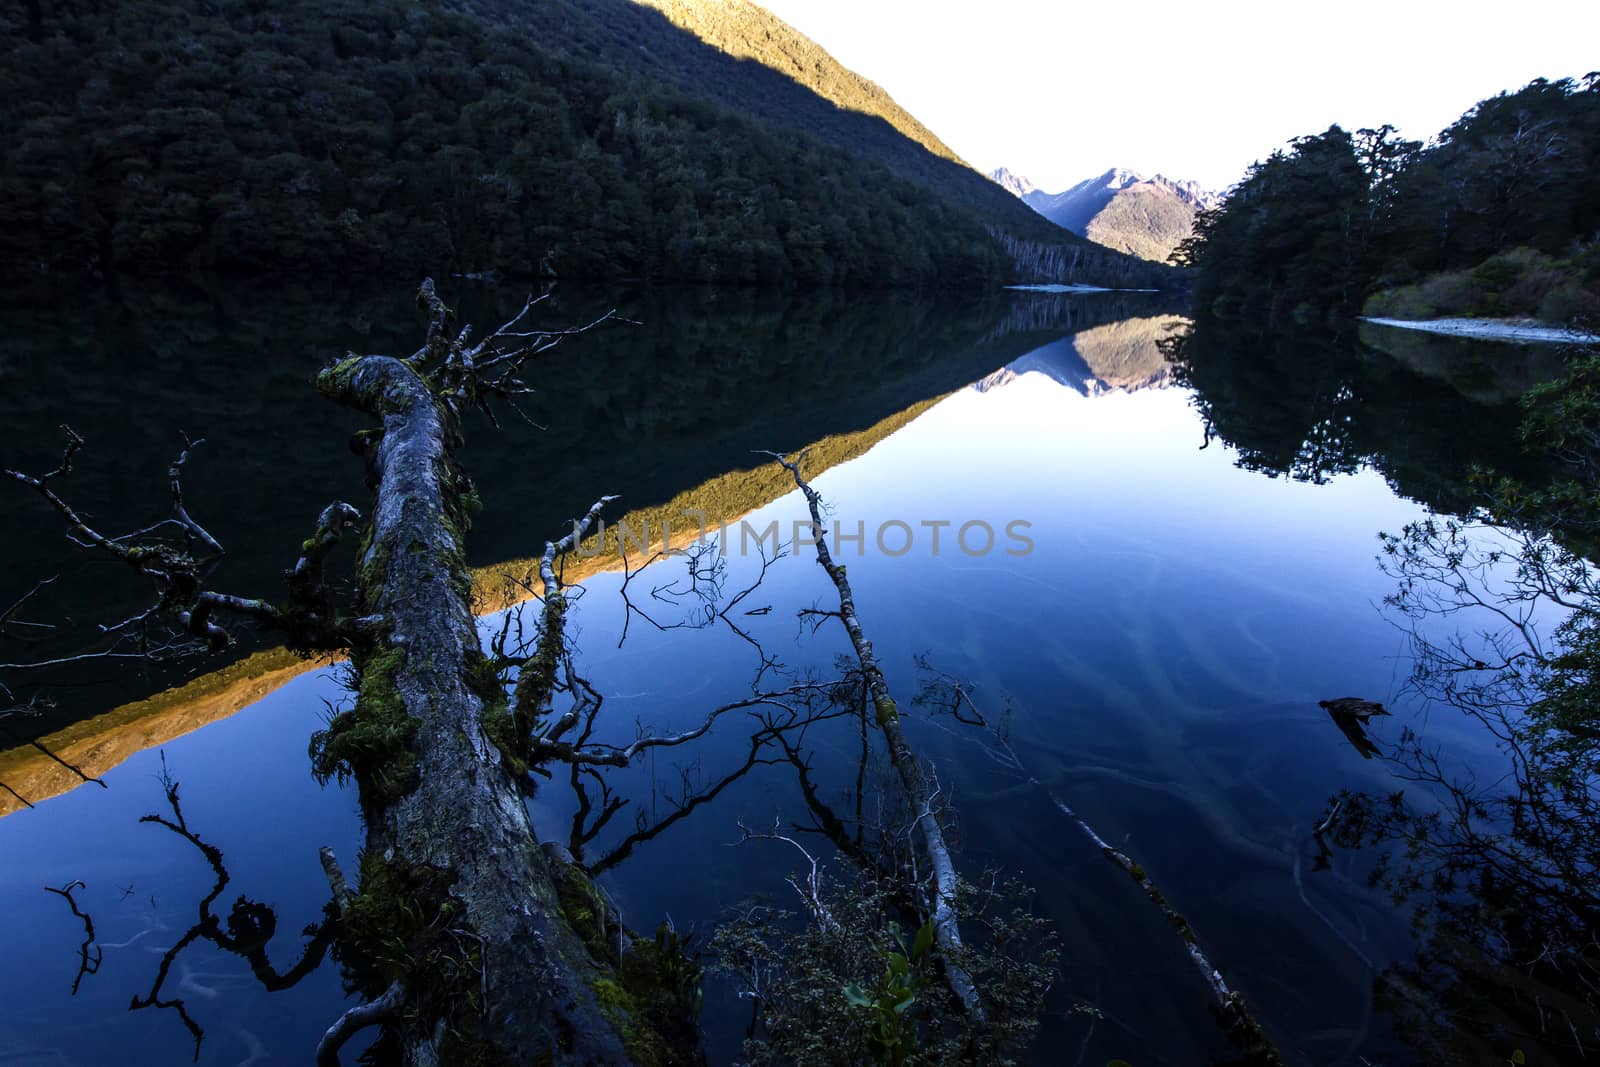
[1232, 1013]
[913, 776]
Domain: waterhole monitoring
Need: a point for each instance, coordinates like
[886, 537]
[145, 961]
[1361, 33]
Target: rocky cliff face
[1120, 209]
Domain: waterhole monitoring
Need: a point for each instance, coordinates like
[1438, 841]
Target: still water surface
[1158, 655]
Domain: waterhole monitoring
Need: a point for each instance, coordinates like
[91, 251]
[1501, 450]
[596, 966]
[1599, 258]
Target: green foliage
[396, 926]
[1485, 209]
[405, 926]
[567, 138]
[1520, 282]
[890, 1035]
[1499, 871]
[652, 992]
[1288, 236]
[371, 743]
[853, 991]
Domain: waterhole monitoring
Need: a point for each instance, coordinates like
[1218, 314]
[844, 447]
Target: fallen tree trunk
[455, 905]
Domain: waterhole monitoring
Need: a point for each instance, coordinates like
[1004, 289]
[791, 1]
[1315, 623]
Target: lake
[1148, 574]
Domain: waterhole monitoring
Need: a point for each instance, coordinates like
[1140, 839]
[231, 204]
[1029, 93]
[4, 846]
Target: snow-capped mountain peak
[1015, 184]
[1124, 210]
[1118, 178]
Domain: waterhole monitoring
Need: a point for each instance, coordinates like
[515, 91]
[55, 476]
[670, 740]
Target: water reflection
[1162, 654]
[1498, 870]
[648, 413]
[248, 930]
[165, 929]
[1314, 404]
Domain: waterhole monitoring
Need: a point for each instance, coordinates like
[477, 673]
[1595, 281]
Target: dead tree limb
[178, 574]
[810, 889]
[447, 825]
[1232, 1013]
[357, 1019]
[913, 775]
[536, 678]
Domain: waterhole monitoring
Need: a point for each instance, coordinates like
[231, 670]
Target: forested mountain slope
[571, 138]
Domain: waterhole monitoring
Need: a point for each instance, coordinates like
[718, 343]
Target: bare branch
[8, 618]
[536, 680]
[942, 905]
[357, 1019]
[175, 485]
[342, 893]
[811, 891]
[87, 964]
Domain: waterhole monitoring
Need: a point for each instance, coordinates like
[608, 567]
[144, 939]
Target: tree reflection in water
[1497, 866]
[1499, 870]
[246, 932]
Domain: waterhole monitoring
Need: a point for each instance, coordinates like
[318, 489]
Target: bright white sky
[1061, 91]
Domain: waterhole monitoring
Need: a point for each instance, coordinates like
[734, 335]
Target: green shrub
[1455, 293]
[1569, 303]
[1527, 294]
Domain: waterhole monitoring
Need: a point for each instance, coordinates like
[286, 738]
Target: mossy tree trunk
[456, 932]
[456, 902]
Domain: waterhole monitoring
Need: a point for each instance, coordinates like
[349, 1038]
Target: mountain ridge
[1120, 208]
[546, 138]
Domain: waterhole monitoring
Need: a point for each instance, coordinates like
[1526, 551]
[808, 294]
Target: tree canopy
[1498, 214]
[571, 138]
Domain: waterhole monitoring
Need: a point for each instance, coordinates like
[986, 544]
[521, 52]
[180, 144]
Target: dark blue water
[1157, 656]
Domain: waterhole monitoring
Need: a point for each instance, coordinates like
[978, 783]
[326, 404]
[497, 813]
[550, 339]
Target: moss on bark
[371, 743]
[649, 989]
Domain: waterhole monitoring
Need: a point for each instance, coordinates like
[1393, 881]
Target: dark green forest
[1498, 215]
[560, 138]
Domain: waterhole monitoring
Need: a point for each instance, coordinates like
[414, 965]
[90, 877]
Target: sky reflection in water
[1161, 650]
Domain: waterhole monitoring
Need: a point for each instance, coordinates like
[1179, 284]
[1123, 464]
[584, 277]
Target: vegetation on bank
[1499, 214]
[571, 138]
[1519, 283]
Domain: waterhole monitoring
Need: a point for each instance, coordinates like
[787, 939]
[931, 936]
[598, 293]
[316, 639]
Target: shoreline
[1056, 287]
[1491, 329]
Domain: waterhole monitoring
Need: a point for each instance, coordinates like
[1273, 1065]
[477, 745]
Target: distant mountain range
[1146, 217]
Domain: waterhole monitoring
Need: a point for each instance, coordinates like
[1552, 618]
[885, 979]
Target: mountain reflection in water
[1158, 656]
